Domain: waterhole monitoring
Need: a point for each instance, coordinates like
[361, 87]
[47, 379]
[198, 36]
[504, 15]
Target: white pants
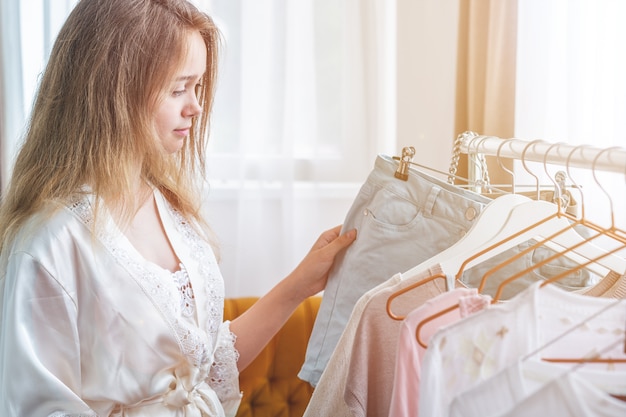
[400, 224]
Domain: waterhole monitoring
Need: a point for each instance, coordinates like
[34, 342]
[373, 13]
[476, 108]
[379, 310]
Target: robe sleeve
[224, 374]
[40, 373]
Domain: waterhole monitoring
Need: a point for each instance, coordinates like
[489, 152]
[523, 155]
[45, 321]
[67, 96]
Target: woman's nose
[194, 108]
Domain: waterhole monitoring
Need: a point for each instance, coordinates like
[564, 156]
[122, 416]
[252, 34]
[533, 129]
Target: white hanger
[567, 242]
[487, 225]
[508, 221]
[484, 230]
[538, 220]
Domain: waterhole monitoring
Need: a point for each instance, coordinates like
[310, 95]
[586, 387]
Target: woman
[111, 296]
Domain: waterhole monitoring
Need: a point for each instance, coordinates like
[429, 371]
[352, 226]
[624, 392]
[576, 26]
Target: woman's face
[180, 103]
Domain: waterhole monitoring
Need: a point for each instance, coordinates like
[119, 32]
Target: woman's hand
[311, 274]
[257, 325]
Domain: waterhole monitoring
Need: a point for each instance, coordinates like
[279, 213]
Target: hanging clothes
[405, 392]
[372, 360]
[400, 224]
[568, 396]
[481, 345]
[359, 379]
[511, 388]
[613, 285]
[327, 398]
[579, 280]
[367, 364]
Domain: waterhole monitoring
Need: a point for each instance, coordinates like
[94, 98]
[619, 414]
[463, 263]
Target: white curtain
[27, 31]
[301, 111]
[570, 87]
[306, 99]
[11, 103]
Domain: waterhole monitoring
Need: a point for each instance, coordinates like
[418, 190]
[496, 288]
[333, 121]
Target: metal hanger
[486, 226]
[545, 220]
[570, 242]
[498, 224]
[612, 231]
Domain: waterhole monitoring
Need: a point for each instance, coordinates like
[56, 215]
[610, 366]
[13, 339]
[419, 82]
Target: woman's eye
[177, 93]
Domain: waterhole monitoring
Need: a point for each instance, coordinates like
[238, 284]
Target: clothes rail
[576, 156]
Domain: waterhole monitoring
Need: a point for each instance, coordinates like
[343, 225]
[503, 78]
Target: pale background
[291, 147]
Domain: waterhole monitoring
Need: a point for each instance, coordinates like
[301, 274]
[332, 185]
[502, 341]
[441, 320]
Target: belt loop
[430, 201]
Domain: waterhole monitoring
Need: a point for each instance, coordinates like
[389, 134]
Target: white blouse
[89, 327]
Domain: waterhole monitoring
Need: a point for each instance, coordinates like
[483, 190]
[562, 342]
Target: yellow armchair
[270, 384]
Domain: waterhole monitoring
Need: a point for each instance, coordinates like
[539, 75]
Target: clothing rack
[574, 156]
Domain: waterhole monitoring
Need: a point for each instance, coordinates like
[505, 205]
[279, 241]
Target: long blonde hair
[92, 120]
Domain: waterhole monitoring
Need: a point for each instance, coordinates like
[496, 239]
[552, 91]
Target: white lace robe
[88, 327]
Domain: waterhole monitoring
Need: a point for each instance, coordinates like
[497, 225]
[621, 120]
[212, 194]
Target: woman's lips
[182, 132]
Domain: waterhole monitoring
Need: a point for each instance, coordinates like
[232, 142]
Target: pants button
[470, 213]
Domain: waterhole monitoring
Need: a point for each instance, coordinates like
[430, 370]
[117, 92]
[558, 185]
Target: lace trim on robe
[223, 374]
[207, 267]
[191, 342]
[187, 299]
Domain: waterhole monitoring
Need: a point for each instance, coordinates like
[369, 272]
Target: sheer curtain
[305, 101]
[302, 108]
[27, 31]
[570, 87]
[485, 90]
